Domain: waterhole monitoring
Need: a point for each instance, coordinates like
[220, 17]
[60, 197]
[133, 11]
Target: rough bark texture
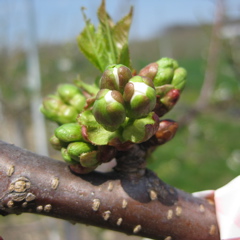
[138, 203]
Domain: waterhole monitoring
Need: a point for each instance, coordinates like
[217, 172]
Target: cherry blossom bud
[78, 149]
[56, 110]
[69, 132]
[67, 92]
[179, 78]
[115, 77]
[56, 143]
[66, 157]
[165, 71]
[140, 97]
[71, 95]
[108, 109]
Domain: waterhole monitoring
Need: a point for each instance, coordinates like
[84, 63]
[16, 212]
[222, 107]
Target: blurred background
[38, 51]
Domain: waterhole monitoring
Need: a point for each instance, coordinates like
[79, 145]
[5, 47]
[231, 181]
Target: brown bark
[137, 203]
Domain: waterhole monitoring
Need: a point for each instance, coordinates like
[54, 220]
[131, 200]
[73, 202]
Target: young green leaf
[93, 131]
[92, 44]
[106, 24]
[108, 44]
[120, 35]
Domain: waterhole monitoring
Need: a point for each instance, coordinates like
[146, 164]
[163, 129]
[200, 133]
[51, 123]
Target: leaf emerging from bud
[108, 109]
[94, 132]
[166, 131]
[115, 77]
[140, 130]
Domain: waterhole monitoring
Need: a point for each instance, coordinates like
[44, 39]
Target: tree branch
[143, 206]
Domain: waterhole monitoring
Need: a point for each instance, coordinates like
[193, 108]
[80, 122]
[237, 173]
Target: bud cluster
[124, 110]
[65, 105]
[75, 150]
[169, 80]
[122, 97]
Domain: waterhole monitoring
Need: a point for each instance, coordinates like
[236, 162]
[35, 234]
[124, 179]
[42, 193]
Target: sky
[61, 20]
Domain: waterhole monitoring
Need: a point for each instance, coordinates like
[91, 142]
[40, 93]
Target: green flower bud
[66, 157]
[163, 76]
[167, 63]
[165, 71]
[67, 92]
[89, 159]
[140, 97]
[71, 94]
[109, 110]
[56, 143]
[67, 114]
[78, 102]
[115, 77]
[76, 149]
[50, 107]
[140, 130]
[54, 109]
[69, 132]
[179, 78]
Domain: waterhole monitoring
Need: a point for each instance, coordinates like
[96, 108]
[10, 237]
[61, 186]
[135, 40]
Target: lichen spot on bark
[20, 185]
[110, 186]
[106, 215]
[39, 208]
[124, 203]
[137, 229]
[10, 170]
[178, 211]
[168, 238]
[96, 204]
[212, 230]
[55, 183]
[119, 221]
[10, 204]
[153, 195]
[169, 214]
[47, 208]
